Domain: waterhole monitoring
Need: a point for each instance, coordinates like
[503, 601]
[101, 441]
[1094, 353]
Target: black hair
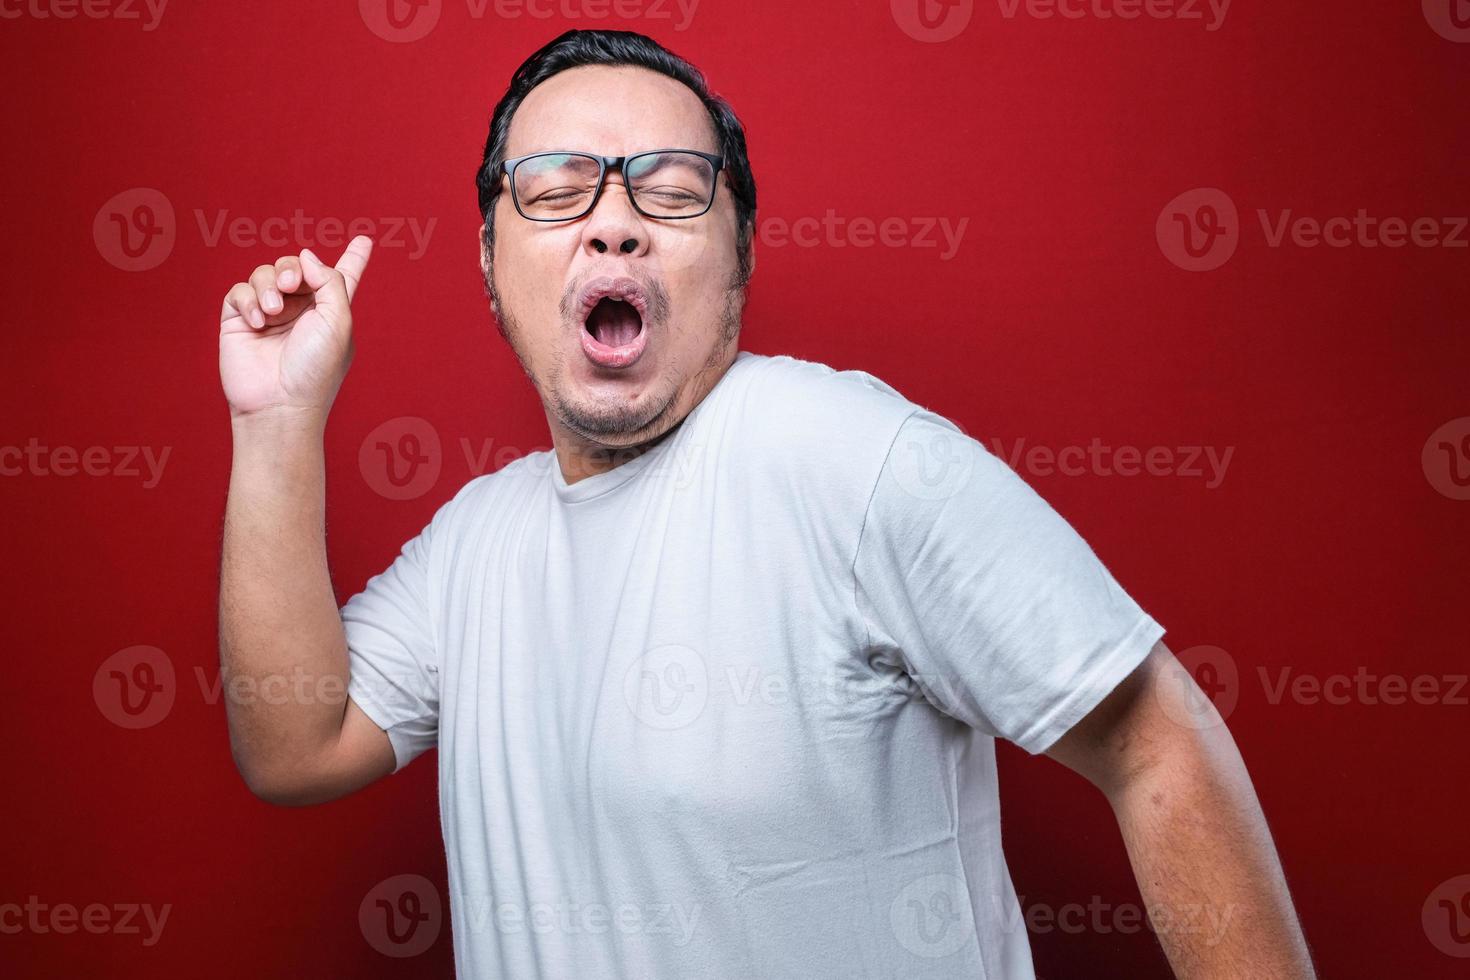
[576, 48]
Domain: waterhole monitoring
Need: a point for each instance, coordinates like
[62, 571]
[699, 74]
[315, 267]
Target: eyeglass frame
[605, 163]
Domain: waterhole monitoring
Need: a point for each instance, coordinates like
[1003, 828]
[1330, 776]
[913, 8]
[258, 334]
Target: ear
[484, 253]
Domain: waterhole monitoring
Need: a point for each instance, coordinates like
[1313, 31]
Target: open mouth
[614, 312]
[614, 322]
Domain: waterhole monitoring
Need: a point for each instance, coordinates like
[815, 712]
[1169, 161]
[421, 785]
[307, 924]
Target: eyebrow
[557, 148]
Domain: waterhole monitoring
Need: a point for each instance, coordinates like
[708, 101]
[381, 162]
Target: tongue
[614, 322]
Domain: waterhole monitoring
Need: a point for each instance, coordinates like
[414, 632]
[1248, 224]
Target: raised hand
[285, 336]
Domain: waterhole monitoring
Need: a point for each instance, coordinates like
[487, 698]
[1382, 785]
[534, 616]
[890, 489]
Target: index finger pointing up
[354, 261]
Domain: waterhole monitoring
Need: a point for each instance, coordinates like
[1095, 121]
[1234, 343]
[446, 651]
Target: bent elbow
[280, 789]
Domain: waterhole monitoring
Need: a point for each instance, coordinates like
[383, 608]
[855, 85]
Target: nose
[613, 224]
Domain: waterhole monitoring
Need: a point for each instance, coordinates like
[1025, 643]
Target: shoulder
[816, 383]
[796, 405]
[812, 434]
[490, 495]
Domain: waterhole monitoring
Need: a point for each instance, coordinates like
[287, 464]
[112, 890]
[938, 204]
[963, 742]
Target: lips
[613, 312]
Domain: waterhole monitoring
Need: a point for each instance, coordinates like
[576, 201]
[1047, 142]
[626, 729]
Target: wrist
[278, 423]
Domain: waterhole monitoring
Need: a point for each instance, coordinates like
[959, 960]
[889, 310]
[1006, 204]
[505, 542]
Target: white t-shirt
[729, 708]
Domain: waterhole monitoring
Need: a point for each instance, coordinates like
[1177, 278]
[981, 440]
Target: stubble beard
[616, 425]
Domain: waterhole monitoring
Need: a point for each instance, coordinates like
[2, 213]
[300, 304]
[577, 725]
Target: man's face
[683, 315]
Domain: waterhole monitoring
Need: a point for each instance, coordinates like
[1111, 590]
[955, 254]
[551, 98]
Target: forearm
[283, 652]
[1206, 864]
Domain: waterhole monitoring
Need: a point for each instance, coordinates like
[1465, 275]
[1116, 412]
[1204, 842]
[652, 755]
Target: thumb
[328, 286]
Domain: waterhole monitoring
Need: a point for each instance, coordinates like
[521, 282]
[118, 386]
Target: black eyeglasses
[565, 185]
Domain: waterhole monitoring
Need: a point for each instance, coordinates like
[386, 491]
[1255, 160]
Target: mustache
[653, 289]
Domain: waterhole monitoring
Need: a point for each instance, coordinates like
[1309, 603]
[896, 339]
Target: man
[715, 684]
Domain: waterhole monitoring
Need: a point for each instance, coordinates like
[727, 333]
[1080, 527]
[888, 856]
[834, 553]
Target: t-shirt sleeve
[999, 611]
[393, 665]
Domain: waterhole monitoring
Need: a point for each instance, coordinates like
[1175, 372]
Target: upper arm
[1154, 713]
[978, 589]
[363, 753]
[360, 755]
[393, 657]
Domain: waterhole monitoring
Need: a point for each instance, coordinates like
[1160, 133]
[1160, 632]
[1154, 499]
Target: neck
[580, 458]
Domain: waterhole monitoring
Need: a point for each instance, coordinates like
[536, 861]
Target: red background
[1326, 548]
